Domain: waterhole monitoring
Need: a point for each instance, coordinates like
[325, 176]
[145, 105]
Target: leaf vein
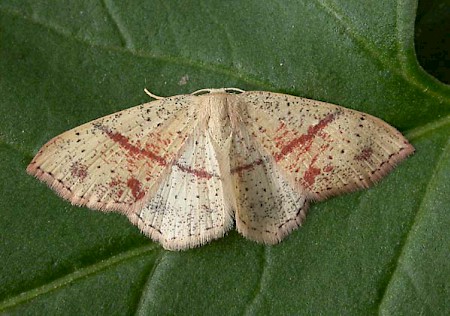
[258, 292]
[74, 276]
[125, 36]
[372, 51]
[141, 304]
[430, 186]
[419, 131]
[177, 60]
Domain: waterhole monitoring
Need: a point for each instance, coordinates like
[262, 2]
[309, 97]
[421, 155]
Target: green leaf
[382, 250]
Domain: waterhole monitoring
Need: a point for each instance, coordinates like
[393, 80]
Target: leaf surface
[382, 250]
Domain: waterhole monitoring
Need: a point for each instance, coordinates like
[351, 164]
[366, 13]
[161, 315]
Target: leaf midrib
[76, 275]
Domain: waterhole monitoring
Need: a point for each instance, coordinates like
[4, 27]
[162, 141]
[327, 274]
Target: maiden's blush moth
[184, 168]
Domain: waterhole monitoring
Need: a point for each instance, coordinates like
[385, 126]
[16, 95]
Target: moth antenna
[154, 96]
[201, 91]
[217, 90]
[234, 90]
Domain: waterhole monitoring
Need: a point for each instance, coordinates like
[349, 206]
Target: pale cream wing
[193, 204]
[116, 162]
[322, 149]
[268, 207]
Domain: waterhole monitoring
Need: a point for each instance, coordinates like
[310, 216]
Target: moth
[185, 168]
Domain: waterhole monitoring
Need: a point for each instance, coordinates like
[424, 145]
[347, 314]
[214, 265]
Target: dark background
[432, 38]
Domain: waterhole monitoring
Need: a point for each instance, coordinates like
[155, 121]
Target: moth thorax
[219, 123]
